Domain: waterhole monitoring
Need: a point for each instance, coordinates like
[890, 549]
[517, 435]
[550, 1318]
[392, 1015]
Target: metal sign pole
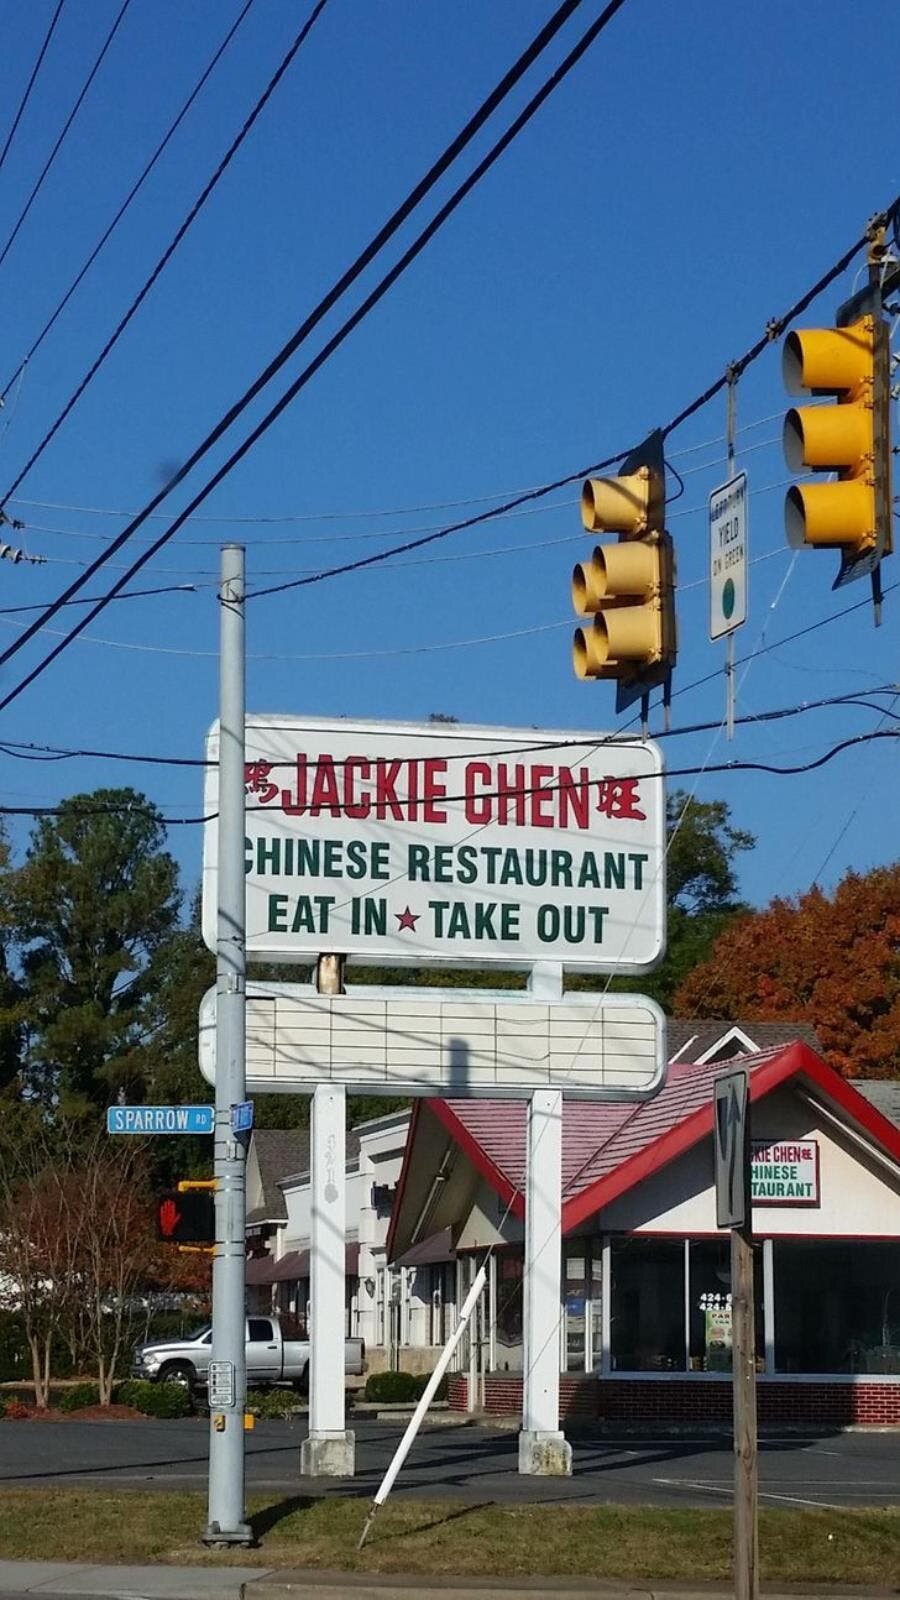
[730, 428]
[228, 1370]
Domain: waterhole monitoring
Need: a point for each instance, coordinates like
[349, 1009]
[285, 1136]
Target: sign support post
[544, 1450]
[728, 556]
[734, 1211]
[330, 1449]
[227, 1523]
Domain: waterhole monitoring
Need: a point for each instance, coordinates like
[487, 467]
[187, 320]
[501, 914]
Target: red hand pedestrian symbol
[169, 1218]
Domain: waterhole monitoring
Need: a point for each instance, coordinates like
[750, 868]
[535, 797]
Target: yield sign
[731, 1130]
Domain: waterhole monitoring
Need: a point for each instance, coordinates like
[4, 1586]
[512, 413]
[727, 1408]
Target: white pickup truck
[271, 1358]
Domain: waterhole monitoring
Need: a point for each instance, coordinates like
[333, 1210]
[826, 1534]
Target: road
[475, 1463]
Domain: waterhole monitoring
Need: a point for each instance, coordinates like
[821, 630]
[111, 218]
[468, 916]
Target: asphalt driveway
[473, 1462]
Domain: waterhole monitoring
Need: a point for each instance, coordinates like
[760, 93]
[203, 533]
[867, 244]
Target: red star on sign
[407, 919]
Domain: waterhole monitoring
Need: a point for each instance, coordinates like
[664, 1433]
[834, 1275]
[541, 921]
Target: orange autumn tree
[830, 961]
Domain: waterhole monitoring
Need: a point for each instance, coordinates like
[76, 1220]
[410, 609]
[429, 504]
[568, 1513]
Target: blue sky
[700, 168]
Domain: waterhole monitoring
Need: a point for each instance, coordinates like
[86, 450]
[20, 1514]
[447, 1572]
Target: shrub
[396, 1387]
[392, 1387]
[2, 1407]
[271, 1402]
[166, 1400]
[79, 1396]
[440, 1392]
[17, 1411]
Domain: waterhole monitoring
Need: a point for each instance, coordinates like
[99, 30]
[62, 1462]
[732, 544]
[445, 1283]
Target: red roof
[607, 1149]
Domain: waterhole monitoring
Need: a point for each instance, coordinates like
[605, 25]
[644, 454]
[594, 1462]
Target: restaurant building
[404, 1310]
[645, 1308]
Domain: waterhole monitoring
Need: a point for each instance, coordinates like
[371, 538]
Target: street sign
[728, 557]
[445, 1041]
[242, 1117]
[430, 844]
[731, 1132]
[160, 1119]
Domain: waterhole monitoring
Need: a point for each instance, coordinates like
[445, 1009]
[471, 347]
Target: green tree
[703, 845]
[701, 886]
[91, 908]
[12, 1028]
[701, 893]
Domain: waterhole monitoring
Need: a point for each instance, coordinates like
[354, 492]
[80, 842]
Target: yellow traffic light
[628, 505]
[621, 588]
[627, 588]
[851, 439]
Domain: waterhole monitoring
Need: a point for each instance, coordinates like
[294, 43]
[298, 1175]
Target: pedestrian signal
[186, 1218]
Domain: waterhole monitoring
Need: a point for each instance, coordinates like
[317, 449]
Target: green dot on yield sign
[728, 598]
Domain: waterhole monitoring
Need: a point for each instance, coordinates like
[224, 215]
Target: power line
[30, 84]
[774, 330]
[394, 222]
[38, 184]
[136, 186]
[497, 514]
[723, 767]
[507, 83]
[134, 594]
[166, 257]
[257, 518]
[28, 751]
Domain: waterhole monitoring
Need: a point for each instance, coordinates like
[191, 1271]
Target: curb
[312, 1585]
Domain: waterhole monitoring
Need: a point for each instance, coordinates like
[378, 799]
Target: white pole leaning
[418, 1416]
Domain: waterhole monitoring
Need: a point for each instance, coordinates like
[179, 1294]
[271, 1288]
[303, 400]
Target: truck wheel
[301, 1385]
[178, 1372]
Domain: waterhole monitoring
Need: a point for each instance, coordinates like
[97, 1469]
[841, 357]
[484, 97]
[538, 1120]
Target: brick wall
[503, 1395]
[681, 1403]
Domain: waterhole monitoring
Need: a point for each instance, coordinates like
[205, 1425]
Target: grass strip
[433, 1537]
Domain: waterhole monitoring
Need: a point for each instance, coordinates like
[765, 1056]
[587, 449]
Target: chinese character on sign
[257, 780]
[620, 797]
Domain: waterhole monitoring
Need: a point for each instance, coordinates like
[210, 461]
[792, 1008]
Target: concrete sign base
[544, 1455]
[328, 1455]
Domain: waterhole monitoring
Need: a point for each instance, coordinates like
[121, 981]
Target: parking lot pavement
[473, 1463]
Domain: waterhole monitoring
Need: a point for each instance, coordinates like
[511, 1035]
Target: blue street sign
[160, 1119]
[242, 1117]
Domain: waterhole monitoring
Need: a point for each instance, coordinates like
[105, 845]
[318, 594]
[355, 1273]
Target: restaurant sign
[785, 1172]
[431, 843]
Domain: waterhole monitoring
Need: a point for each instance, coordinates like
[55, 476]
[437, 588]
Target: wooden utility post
[734, 1211]
[743, 1358]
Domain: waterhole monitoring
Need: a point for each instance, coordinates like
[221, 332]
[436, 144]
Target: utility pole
[743, 1356]
[227, 1523]
[734, 1210]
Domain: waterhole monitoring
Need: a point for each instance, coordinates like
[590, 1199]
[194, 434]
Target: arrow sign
[731, 1129]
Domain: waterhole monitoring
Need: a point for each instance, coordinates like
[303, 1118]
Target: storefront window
[647, 1333]
[576, 1293]
[710, 1305]
[582, 1291]
[837, 1306]
[508, 1324]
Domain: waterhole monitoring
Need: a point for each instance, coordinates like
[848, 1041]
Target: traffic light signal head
[186, 1218]
[628, 505]
[851, 438]
[627, 588]
[617, 587]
